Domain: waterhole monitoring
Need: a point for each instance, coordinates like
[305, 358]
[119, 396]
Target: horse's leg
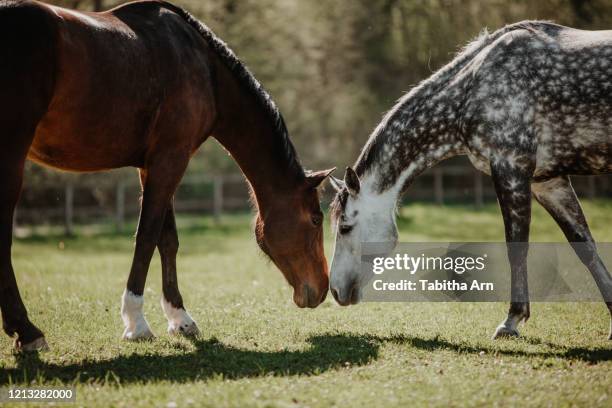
[512, 186]
[159, 183]
[14, 315]
[557, 196]
[179, 321]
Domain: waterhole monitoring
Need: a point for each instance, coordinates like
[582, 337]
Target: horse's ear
[351, 180]
[316, 177]
[336, 183]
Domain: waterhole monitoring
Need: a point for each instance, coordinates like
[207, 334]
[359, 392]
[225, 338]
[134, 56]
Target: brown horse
[144, 85]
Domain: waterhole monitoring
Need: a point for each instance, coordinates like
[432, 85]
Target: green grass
[258, 349]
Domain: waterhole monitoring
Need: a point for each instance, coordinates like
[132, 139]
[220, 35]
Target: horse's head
[359, 215]
[290, 231]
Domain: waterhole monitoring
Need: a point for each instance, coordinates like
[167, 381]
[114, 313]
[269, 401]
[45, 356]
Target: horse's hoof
[505, 332]
[180, 323]
[185, 329]
[40, 344]
[138, 335]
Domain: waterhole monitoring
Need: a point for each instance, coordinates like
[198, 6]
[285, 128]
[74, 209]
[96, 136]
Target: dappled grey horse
[530, 104]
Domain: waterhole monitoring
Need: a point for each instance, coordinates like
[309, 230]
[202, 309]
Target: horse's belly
[581, 147]
[65, 146]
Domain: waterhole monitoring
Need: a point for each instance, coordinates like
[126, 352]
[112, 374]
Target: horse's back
[117, 72]
[547, 87]
[574, 104]
[584, 40]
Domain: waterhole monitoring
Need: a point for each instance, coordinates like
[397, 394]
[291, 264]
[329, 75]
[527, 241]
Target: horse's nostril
[354, 294]
[334, 294]
[311, 296]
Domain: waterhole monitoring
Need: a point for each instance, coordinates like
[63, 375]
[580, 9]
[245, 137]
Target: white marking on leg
[509, 328]
[179, 321]
[136, 326]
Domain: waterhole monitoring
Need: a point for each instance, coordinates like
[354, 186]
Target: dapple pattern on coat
[530, 105]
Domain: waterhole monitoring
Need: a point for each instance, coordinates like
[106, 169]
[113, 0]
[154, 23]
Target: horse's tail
[28, 36]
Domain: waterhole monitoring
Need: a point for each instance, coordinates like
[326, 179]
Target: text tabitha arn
[431, 285]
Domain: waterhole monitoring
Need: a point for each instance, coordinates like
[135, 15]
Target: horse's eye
[345, 229]
[317, 219]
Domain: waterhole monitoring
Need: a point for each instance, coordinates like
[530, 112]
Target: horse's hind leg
[179, 321]
[557, 196]
[14, 315]
[27, 79]
[513, 192]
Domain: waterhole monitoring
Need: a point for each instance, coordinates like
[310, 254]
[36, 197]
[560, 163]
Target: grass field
[258, 349]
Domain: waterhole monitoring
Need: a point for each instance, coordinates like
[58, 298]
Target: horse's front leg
[179, 321]
[159, 182]
[512, 186]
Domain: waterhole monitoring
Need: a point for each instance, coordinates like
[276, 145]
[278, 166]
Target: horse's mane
[248, 81]
[371, 151]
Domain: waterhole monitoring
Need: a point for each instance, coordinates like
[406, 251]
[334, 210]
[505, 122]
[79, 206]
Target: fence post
[68, 208]
[592, 188]
[478, 192]
[120, 206]
[438, 186]
[217, 198]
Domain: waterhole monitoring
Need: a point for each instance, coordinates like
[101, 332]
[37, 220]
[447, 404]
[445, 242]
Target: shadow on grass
[592, 355]
[211, 358]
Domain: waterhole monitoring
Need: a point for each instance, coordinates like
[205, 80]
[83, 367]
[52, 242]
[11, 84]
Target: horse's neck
[421, 130]
[245, 130]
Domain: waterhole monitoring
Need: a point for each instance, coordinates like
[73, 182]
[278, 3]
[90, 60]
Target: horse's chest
[480, 162]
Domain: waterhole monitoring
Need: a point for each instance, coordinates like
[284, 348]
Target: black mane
[247, 80]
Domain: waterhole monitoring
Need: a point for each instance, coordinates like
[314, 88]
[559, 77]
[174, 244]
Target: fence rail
[218, 194]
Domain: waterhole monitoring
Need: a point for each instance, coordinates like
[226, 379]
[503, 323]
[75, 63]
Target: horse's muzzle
[308, 297]
[349, 295]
